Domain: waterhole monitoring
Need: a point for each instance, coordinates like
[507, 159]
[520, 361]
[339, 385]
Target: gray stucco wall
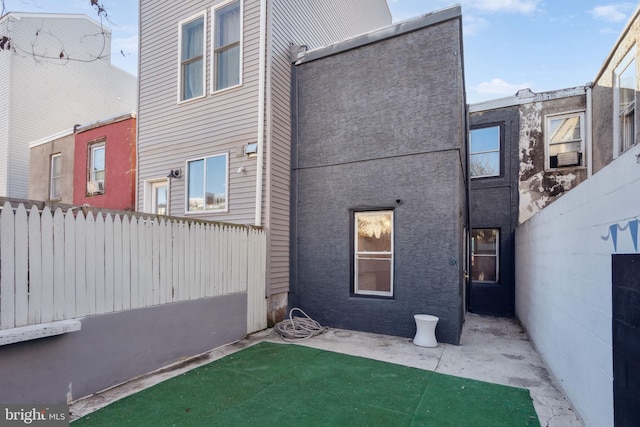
[110, 349]
[494, 204]
[376, 124]
[40, 169]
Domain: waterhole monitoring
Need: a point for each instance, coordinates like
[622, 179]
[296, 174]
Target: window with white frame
[625, 103]
[54, 181]
[207, 188]
[485, 254]
[97, 168]
[484, 152]
[227, 51]
[564, 137]
[373, 253]
[192, 61]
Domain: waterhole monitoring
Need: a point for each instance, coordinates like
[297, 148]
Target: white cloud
[513, 6]
[473, 24]
[497, 86]
[618, 12]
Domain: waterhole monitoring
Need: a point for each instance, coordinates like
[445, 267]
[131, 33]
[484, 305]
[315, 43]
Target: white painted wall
[563, 282]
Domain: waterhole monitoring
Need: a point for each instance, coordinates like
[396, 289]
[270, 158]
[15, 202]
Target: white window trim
[497, 255]
[202, 14]
[622, 66]
[186, 186]
[51, 177]
[92, 149]
[499, 151]
[212, 56]
[547, 137]
[149, 196]
[355, 254]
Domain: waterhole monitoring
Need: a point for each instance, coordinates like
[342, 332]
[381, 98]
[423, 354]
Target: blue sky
[508, 44]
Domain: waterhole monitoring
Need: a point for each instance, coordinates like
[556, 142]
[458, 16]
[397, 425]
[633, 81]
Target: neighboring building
[379, 184]
[42, 93]
[51, 168]
[493, 166]
[615, 94]
[214, 109]
[525, 151]
[105, 164]
[554, 143]
[88, 165]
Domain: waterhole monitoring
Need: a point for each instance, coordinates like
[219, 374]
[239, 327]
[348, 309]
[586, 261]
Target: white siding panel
[170, 133]
[5, 82]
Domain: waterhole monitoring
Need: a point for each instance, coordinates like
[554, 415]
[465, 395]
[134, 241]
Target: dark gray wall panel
[113, 348]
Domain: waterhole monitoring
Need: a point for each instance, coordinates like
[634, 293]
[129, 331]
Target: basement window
[564, 140]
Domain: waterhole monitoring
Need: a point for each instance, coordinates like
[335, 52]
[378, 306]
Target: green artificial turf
[289, 385]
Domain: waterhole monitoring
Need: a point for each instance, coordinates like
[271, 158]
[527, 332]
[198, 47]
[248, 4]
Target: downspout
[589, 131]
[140, 207]
[261, 110]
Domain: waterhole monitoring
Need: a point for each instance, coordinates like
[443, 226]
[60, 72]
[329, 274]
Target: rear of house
[215, 109]
[379, 185]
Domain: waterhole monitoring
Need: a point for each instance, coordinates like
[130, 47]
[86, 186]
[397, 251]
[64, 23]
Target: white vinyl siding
[71, 89]
[171, 133]
[5, 94]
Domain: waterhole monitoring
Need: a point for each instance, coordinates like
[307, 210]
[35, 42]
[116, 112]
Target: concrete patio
[492, 349]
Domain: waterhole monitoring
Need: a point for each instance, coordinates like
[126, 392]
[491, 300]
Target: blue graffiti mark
[633, 229]
[632, 226]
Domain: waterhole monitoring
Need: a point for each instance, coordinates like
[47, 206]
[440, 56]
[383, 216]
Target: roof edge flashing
[384, 33]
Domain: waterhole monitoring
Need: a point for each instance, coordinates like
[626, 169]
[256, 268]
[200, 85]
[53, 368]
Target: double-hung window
[485, 254]
[484, 152]
[564, 140]
[192, 63]
[227, 52]
[625, 103]
[373, 253]
[56, 171]
[97, 168]
[207, 185]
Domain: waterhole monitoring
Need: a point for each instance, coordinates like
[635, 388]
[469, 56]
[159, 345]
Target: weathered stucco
[40, 169]
[538, 185]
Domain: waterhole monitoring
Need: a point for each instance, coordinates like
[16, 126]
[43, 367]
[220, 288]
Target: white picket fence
[57, 266]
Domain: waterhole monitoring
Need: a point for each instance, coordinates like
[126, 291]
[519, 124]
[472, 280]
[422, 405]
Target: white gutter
[261, 109]
[589, 132]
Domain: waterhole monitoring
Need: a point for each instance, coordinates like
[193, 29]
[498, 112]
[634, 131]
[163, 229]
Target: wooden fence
[56, 266]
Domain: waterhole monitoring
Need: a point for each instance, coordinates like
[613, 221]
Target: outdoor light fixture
[175, 173]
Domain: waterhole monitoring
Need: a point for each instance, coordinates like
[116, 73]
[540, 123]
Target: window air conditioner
[95, 187]
[572, 158]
